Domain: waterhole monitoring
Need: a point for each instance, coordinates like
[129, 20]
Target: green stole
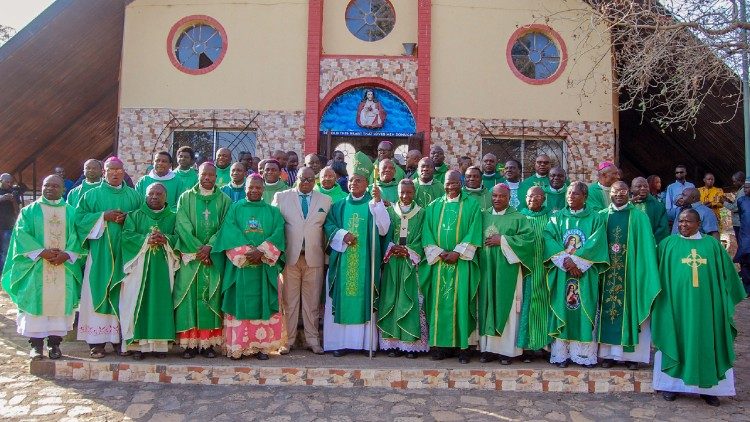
[692, 321]
[489, 181]
[388, 190]
[105, 252]
[270, 190]
[235, 194]
[335, 193]
[657, 216]
[555, 200]
[481, 195]
[574, 300]
[439, 175]
[450, 290]
[77, 193]
[188, 178]
[425, 194]
[499, 278]
[349, 272]
[22, 278]
[173, 186]
[251, 292]
[223, 175]
[398, 307]
[152, 317]
[196, 294]
[535, 309]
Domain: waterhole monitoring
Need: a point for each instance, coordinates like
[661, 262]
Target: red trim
[374, 82]
[314, 52]
[424, 46]
[180, 26]
[546, 30]
[365, 56]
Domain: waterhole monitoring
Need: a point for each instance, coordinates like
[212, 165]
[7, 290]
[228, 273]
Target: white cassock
[344, 336]
[664, 382]
[641, 354]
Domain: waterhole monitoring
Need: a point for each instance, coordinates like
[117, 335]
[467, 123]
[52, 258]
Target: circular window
[370, 20]
[536, 54]
[197, 44]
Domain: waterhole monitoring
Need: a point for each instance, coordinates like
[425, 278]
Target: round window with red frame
[537, 54]
[197, 44]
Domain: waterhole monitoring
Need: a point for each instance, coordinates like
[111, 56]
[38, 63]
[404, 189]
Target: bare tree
[670, 55]
[6, 32]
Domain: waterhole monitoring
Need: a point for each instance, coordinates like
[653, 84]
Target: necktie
[305, 206]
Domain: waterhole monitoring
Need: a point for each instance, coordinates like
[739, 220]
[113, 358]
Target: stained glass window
[370, 20]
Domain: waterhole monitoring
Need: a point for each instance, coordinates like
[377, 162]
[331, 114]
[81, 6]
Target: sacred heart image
[572, 296]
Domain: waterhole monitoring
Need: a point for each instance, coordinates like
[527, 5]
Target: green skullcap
[362, 164]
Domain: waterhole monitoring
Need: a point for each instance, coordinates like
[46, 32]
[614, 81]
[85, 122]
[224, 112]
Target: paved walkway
[26, 397]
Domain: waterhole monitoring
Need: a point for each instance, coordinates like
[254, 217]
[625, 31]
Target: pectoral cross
[695, 261]
[206, 214]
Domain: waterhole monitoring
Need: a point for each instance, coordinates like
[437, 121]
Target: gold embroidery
[615, 282]
[352, 269]
[694, 260]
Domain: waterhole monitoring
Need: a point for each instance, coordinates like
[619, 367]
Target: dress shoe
[160, 355]
[711, 400]
[632, 366]
[564, 364]
[589, 366]
[209, 352]
[504, 360]
[125, 353]
[339, 353]
[608, 363]
[316, 349]
[138, 356]
[395, 354]
[527, 357]
[54, 352]
[487, 357]
[261, 356]
[411, 355]
[464, 357]
[283, 350]
[97, 352]
[669, 396]
[438, 354]
[190, 353]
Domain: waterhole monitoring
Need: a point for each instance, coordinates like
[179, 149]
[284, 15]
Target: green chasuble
[482, 195]
[173, 185]
[692, 321]
[450, 290]
[598, 198]
[223, 175]
[528, 183]
[631, 283]
[388, 190]
[77, 192]
[251, 291]
[574, 301]
[270, 190]
[104, 251]
[399, 288]
[335, 193]
[397, 176]
[235, 193]
[349, 272]
[499, 276]
[657, 216]
[36, 286]
[188, 178]
[489, 181]
[146, 291]
[533, 324]
[439, 176]
[424, 194]
[196, 293]
[554, 199]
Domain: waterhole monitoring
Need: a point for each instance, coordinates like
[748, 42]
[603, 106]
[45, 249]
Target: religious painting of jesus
[370, 114]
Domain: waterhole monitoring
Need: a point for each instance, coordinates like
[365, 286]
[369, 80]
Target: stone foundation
[402, 72]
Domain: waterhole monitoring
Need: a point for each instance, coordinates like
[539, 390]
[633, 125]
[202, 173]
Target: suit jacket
[298, 228]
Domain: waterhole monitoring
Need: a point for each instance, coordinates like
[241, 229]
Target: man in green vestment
[402, 321]
[100, 214]
[599, 191]
[473, 187]
[490, 176]
[629, 285]
[533, 327]
[654, 209]
[41, 275]
[512, 175]
[92, 171]
[252, 236]
[197, 288]
[272, 180]
[223, 166]
[437, 155]
[575, 250]
[386, 182]
[354, 228]
[235, 189]
[542, 165]
[555, 193]
[450, 274]
[508, 247]
[162, 173]
[186, 171]
[386, 151]
[146, 315]
[427, 188]
[692, 321]
[328, 185]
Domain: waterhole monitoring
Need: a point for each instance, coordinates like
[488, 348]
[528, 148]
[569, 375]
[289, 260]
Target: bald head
[223, 158]
[412, 159]
[6, 180]
[207, 175]
[639, 189]
[438, 155]
[52, 187]
[489, 163]
[452, 183]
[535, 198]
[690, 196]
[500, 197]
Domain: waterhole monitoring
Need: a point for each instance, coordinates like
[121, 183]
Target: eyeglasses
[542, 162]
[306, 179]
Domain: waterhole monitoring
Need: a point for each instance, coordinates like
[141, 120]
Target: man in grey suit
[304, 212]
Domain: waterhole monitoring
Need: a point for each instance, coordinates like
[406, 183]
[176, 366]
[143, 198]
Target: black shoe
[138, 356]
[632, 366]
[608, 363]
[564, 364]
[190, 352]
[711, 400]
[589, 366]
[669, 396]
[487, 357]
[438, 354]
[261, 356]
[395, 353]
[504, 360]
[37, 348]
[160, 355]
[411, 355]
[527, 357]
[54, 352]
[464, 357]
[339, 353]
[209, 352]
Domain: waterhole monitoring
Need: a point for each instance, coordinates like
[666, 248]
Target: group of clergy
[423, 260]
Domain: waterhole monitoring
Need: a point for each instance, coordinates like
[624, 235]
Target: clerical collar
[53, 201]
[232, 185]
[556, 190]
[272, 184]
[92, 183]
[495, 212]
[539, 176]
[449, 199]
[405, 208]
[357, 198]
[696, 236]
[605, 188]
[473, 189]
[158, 211]
[512, 185]
[616, 208]
[169, 176]
[489, 174]
[421, 183]
[117, 187]
[205, 192]
[577, 211]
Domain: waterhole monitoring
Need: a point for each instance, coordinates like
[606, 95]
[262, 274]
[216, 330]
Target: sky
[18, 13]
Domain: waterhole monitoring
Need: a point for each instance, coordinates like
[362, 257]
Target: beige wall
[264, 67]
[338, 40]
[471, 76]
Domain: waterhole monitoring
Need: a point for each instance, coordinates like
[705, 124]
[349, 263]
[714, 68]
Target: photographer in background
[10, 204]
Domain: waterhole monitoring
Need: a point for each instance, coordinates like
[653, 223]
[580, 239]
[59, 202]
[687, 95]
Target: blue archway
[340, 117]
